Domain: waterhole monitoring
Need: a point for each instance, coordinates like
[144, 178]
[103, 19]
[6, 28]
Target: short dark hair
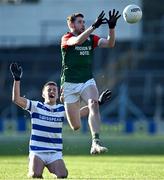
[73, 17]
[49, 83]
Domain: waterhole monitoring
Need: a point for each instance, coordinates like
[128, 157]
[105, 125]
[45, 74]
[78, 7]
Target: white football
[132, 13]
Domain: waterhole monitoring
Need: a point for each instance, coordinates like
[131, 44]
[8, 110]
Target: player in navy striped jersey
[45, 147]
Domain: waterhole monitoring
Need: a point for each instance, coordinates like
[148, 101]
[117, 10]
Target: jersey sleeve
[95, 41]
[31, 105]
[65, 39]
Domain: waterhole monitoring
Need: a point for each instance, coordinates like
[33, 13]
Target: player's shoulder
[67, 35]
[34, 102]
[94, 36]
[95, 40]
[61, 107]
[38, 104]
[31, 105]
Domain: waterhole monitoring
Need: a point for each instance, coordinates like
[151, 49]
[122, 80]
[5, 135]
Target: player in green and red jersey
[77, 81]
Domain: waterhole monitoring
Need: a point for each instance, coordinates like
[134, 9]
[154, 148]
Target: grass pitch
[129, 157]
[91, 167]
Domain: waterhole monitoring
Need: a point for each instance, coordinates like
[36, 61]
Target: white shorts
[72, 91]
[46, 157]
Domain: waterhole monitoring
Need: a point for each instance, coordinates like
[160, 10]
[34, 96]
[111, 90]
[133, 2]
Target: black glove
[99, 20]
[105, 96]
[16, 71]
[113, 19]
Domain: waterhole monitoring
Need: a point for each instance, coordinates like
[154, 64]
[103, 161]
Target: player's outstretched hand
[100, 20]
[16, 71]
[113, 17]
[105, 96]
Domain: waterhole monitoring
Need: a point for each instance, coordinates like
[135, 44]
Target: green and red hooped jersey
[77, 59]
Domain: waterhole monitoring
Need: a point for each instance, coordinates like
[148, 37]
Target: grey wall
[26, 19]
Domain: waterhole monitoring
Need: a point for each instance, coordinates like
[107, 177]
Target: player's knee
[62, 175]
[35, 175]
[93, 105]
[75, 127]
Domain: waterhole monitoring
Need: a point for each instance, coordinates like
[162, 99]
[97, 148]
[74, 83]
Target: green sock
[95, 136]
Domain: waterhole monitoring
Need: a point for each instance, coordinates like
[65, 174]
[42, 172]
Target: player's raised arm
[104, 97]
[110, 41]
[78, 23]
[17, 72]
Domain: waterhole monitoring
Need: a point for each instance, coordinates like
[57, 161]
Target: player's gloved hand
[113, 17]
[100, 20]
[105, 96]
[16, 71]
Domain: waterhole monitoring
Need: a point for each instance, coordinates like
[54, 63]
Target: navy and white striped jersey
[46, 122]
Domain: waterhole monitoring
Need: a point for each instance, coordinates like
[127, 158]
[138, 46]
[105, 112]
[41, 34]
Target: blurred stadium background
[133, 122]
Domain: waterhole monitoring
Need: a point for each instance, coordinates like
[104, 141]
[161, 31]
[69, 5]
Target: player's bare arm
[110, 41]
[16, 72]
[79, 39]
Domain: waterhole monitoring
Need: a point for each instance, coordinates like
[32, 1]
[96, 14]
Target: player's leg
[58, 168]
[73, 114]
[36, 166]
[90, 95]
[72, 104]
